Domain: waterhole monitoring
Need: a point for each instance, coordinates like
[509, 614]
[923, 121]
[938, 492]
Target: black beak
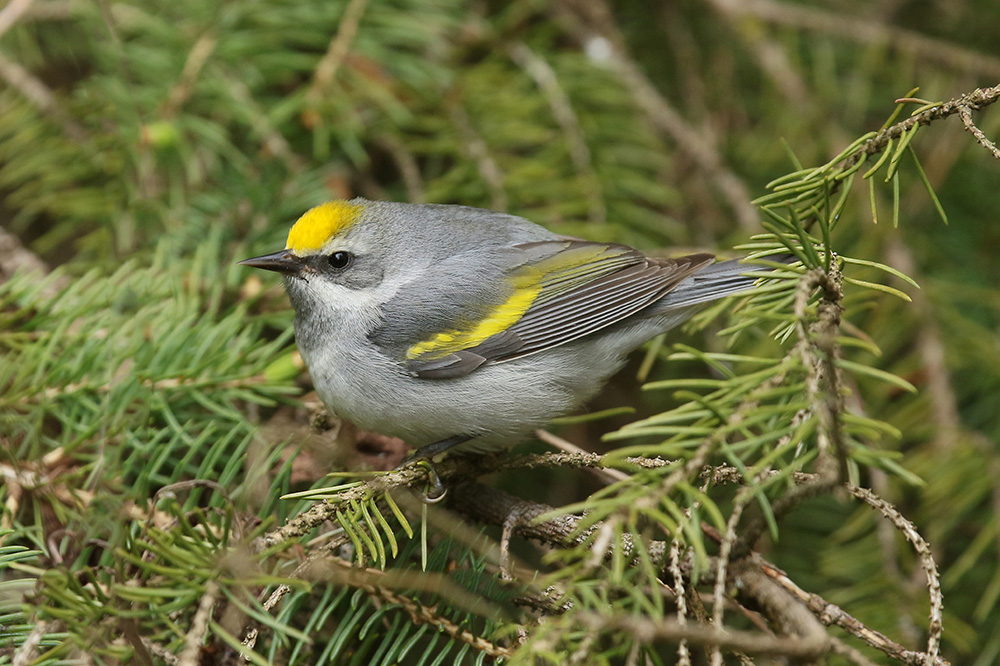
[280, 262]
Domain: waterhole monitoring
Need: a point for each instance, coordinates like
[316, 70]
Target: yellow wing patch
[317, 225]
[498, 320]
[550, 277]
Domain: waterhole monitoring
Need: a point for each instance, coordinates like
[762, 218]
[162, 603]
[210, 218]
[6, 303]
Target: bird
[459, 329]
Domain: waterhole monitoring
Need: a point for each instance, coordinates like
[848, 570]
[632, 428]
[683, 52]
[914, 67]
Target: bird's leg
[425, 455]
[434, 449]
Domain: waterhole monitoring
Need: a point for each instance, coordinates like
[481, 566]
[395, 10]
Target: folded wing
[563, 290]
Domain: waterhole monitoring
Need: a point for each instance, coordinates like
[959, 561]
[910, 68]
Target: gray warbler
[462, 329]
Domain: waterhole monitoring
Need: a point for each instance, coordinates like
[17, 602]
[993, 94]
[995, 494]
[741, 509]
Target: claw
[423, 456]
[435, 489]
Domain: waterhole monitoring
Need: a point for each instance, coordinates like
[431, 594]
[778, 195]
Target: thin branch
[680, 594]
[28, 651]
[977, 99]
[831, 614]
[606, 475]
[850, 653]
[195, 636]
[966, 114]
[836, 615]
[421, 614]
[923, 551]
[721, 576]
[817, 348]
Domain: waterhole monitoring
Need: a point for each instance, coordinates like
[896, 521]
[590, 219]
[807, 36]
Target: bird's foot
[424, 457]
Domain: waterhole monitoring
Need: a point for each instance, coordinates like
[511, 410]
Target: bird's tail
[719, 280]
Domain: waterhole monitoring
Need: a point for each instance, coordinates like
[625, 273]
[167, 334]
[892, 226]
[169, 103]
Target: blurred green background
[145, 146]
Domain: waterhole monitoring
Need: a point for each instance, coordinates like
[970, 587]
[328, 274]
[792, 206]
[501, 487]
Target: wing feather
[582, 287]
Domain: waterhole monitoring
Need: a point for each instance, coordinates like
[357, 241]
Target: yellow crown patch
[311, 231]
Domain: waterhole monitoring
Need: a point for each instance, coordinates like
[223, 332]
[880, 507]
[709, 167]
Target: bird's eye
[340, 259]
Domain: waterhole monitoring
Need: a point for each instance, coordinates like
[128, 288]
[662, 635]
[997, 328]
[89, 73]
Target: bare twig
[28, 650]
[421, 614]
[195, 637]
[836, 615]
[680, 594]
[830, 614]
[721, 577]
[966, 114]
[977, 99]
[923, 551]
[606, 475]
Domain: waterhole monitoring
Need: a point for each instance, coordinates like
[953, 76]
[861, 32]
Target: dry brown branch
[606, 475]
[450, 468]
[420, 614]
[487, 505]
[723, 562]
[885, 534]
[836, 615]
[850, 653]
